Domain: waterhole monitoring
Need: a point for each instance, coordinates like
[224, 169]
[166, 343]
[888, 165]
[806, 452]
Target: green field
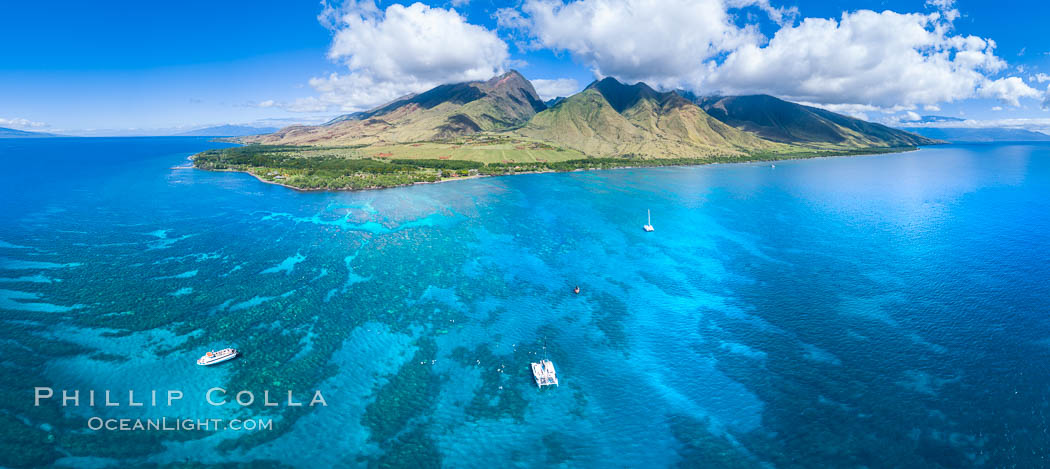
[495, 149]
[485, 148]
[379, 166]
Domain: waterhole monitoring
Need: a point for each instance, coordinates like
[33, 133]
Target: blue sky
[120, 68]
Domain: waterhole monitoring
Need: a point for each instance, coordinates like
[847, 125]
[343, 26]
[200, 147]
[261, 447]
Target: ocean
[879, 311]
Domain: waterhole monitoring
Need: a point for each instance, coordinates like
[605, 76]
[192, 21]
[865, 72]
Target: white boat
[649, 224]
[214, 357]
[544, 374]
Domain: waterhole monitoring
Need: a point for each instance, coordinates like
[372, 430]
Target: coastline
[300, 189]
[700, 162]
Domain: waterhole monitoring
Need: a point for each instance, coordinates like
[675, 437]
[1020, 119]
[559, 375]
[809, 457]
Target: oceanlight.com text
[177, 424]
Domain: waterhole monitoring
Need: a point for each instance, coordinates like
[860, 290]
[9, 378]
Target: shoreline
[480, 176]
[300, 189]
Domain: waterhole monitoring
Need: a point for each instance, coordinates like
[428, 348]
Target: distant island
[980, 135]
[15, 133]
[227, 131]
[501, 126]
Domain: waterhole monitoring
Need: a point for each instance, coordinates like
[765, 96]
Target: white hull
[212, 358]
[544, 373]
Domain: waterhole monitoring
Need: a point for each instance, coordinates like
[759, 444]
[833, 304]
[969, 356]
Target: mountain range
[607, 119]
[980, 135]
[228, 130]
[15, 133]
[503, 102]
[786, 122]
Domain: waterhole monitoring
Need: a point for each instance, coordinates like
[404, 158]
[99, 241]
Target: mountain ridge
[608, 118]
[980, 135]
[15, 133]
[227, 130]
[444, 111]
[786, 122]
[499, 127]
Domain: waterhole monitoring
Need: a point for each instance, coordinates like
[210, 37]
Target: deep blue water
[883, 311]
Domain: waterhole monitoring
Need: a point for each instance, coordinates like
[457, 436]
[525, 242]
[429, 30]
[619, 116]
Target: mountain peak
[515, 87]
[513, 73]
[501, 102]
[607, 81]
[609, 118]
[622, 96]
[510, 78]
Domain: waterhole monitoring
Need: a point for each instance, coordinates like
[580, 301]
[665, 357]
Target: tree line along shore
[349, 168]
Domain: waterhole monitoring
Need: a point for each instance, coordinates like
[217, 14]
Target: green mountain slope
[445, 111]
[607, 119]
[610, 118]
[786, 122]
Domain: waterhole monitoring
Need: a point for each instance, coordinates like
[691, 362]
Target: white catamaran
[543, 372]
[649, 224]
[214, 357]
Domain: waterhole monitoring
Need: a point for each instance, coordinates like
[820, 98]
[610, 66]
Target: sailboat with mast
[649, 222]
[543, 372]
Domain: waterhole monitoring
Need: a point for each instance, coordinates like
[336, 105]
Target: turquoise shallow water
[887, 311]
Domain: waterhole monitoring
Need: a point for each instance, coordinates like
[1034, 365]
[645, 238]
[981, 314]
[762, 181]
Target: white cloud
[1040, 77]
[886, 61]
[311, 104]
[997, 108]
[659, 42]
[946, 7]
[883, 59]
[911, 116]
[514, 24]
[860, 111]
[931, 108]
[286, 121]
[549, 89]
[1008, 90]
[308, 104]
[781, 15]
[20, 122]
[400, 50]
